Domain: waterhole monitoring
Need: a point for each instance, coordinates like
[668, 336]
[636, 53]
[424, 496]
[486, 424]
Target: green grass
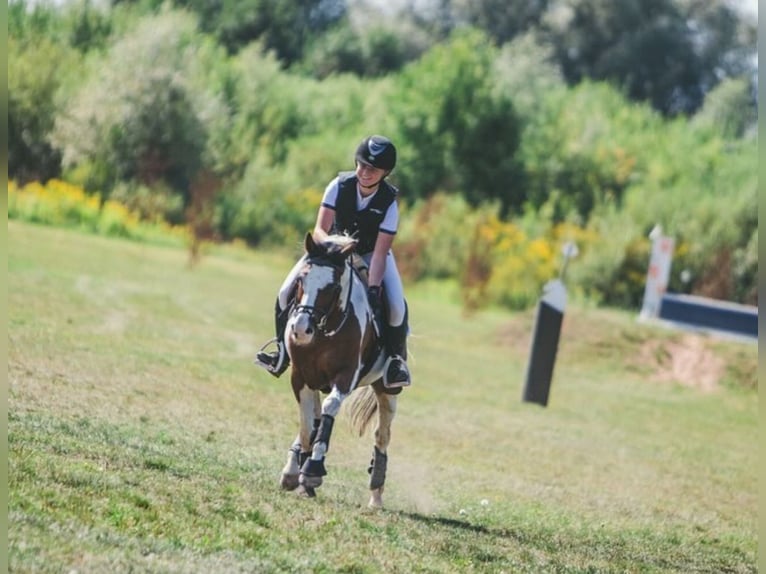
[142, 438]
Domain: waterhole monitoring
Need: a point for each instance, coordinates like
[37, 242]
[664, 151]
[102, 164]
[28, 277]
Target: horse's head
[322, 289]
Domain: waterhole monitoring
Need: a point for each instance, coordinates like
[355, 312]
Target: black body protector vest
[363, 224]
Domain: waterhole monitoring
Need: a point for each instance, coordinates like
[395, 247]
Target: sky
[749, 7]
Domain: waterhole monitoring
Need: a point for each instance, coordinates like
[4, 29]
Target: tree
[89, 27]
[526, 71]
[666, 52]
[729, 109]
[583, 148]
[457, 132]
[284, 26]
[36, 71]
[149, 111]
[43, 45]
[337, 51]
[503, 20]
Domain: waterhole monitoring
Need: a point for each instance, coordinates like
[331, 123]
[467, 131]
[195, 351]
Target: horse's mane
[337, 243]
[335, 248]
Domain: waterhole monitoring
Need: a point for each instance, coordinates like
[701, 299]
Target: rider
[360, 203]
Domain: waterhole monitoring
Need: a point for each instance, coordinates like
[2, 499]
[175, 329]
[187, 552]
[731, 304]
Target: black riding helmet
[377, 151]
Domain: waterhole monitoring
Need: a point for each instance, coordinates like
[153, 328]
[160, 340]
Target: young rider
[360, 203]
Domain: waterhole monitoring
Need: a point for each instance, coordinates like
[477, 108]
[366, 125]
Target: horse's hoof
[289, 482]
[376, 499]
[310, 481]
[306, 491]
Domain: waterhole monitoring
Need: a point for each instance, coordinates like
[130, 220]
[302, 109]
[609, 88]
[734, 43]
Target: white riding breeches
[392, 287]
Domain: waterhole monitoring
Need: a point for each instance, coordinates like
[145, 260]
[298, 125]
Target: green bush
[434, 237]
[496, 261]
[65, 205]
[268, 206]
[157, 204]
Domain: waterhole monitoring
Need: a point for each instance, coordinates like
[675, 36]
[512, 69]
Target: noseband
[318, 317]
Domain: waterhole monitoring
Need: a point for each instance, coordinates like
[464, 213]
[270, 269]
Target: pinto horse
[334, 348]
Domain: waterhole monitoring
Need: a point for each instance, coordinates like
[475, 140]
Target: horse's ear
[309, 244]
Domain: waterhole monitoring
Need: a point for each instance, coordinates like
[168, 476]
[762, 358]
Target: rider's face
[369, 176]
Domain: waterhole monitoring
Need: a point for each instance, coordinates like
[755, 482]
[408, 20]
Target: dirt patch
[603, 340]
[516, 335]
[687, 361]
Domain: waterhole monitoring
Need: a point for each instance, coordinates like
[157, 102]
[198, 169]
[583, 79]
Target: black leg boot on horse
[396, 373]
[276, 362]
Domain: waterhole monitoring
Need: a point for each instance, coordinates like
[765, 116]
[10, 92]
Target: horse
[334, 347]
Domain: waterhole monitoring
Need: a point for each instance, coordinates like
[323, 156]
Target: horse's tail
[361, 407]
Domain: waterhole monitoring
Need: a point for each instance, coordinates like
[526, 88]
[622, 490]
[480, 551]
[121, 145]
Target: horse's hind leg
[379, 462]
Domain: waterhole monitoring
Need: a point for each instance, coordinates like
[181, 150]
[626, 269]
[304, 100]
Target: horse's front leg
[308, 404]
[379, 462]
[313, 469]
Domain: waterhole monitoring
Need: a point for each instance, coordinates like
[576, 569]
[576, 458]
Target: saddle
[359, 265]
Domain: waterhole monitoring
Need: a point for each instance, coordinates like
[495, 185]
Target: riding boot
[276, 362]
[396, 373]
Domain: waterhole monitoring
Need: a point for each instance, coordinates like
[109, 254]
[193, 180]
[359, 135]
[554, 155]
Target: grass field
[142, 439]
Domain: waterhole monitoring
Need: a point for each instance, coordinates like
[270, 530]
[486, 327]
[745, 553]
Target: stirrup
[395, 384]
[282, 359]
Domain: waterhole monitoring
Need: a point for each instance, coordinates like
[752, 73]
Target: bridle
[317, 316]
